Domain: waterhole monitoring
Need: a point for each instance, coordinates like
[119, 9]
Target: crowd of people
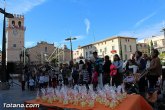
[99, 71]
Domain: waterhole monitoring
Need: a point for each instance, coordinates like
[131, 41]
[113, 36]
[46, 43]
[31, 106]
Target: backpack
[113, 70]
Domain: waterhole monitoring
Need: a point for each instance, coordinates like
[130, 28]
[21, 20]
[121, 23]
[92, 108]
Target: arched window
[19, 23]
[13, 23]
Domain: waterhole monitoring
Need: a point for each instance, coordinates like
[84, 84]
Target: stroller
[131, 81]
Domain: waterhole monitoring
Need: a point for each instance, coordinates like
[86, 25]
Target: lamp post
[4, 74]
[70, 39]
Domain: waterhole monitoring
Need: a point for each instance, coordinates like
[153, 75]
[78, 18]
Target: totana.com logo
[11, 105]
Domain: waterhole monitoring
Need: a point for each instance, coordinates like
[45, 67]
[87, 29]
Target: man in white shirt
[41, 81]
[31, 84]
[46, 80]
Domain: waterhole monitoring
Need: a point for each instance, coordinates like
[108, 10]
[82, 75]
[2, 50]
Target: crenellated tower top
[18, 16]
[16, 22]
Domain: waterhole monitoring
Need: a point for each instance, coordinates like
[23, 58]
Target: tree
[151, 45]
[162, 56]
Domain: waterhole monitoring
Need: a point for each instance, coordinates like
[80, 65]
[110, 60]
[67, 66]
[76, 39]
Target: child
[41, 81]
[95, 78]
[132, 67]
[31, 84]
[60, 79]
[85, 75]
[70, 79]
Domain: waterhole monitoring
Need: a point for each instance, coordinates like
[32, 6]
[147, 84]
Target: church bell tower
[15, 33]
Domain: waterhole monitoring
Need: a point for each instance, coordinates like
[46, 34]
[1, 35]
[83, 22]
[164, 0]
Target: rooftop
[109, 38]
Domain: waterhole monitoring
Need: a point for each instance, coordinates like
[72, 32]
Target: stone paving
[16, 96]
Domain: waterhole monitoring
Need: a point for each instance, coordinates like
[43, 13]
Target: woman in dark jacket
[106, 70]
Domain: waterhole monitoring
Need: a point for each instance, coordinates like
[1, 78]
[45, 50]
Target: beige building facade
[123, 46]
[15, 33]
[45, 52]
[143, 47]
[158, 42]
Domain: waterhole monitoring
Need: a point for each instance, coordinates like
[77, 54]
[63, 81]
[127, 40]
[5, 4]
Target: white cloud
[20, 6]
[29, 44]
[146, 31]
[144, 19]
[87, 24]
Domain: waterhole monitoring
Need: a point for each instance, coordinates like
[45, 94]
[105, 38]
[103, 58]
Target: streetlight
[4, 74]
[70, 39]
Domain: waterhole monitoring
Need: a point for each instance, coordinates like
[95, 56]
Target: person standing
[22, 80]
[89, 69]
[41, 80]
[130, 65]
[81, 63]
[140, 62]
[95, 78]
[106, 70]
[118, 78]
[85, 75]
[46, 80]
[155, 69]
[31, 84]
[75, 74]
[147, 60]
[98, 64]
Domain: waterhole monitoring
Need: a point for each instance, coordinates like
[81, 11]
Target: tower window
[14, 45]
[125, 56]
[46, 49]
[86, 54]
[13, 23]
[125, 48]
[130, 48]
[19, 23]
[105, 50]
[100, 50]
[113, 47]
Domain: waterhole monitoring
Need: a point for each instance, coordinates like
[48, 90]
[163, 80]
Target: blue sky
[88, 20]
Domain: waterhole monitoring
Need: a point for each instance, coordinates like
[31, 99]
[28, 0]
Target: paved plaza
[16, 96]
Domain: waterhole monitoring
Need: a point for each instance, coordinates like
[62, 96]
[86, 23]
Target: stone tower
[15, 33]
